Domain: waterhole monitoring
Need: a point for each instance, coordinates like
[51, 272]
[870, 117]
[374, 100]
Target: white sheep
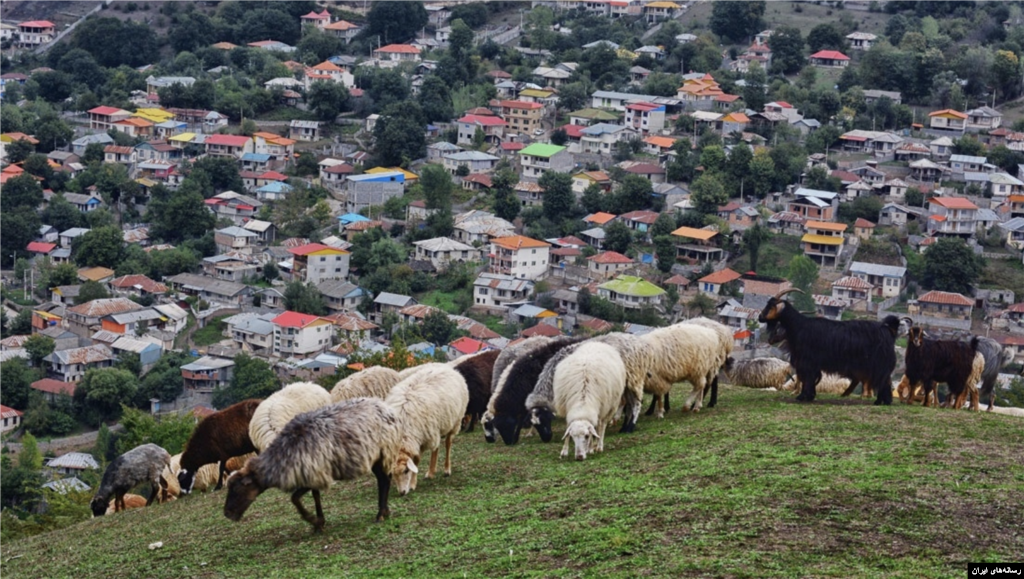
[725, 341]
[588, 386]
[280, 407]
[682, 352]
[337, 442]
[829, 384]
[761, 373]
[373, 382]
[428, 406]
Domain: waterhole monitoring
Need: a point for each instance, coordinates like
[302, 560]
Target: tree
[21, 191]
[53, 134]
[593, 198]
[665, 251]
[701, 304]
[63, 274]
[436, 99]
[38, 347]
[395, 22]
[634, 193]
[665, 224]
[327, 99]
[762, 173]
[437, 187]
[914, 197]
[99, 247]
[559, 136]
[319, 43]
[113, 42]
[1006, 71]
[62, 215]
[617, 237]
[736, 21]
[825, 37]
[506, 204]
[738, 165]
[54, 87]
[253, 378]
[752, 240]
[460, 42]
[708, 194]
[573, 96]
[787, 50]
[398, 135]
[91, 290]
[101, 392]
[713, 159]
[802, 273]
[304, 298]
[950, 265]
[864, 207]
[163, 380]
[30, 458]
[183, 216]
[818, 178]
[558, 196]
[20, 226]
[438, 329]
[17, 377]
[83, 68]
[754, 92]
[19, 150]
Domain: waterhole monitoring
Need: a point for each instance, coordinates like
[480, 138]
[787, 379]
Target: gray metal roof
[338, 288]
[208, 363]
[877, 269]
[967, 159]
[1015, 224]
[389, 299]
[78, 460]
[64, 485]
[249, 322]
[136, 316]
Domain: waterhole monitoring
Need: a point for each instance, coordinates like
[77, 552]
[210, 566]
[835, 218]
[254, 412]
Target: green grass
[1002, 273]
[211, 333]
[20, 297]
[284, 113]
[758, 487]
[774, 256]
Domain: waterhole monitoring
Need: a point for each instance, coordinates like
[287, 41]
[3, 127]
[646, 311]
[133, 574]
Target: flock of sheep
[302, 438]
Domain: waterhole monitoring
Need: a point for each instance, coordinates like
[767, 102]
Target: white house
[520, 257]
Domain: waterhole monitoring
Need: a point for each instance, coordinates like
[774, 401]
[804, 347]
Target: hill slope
[759, 486]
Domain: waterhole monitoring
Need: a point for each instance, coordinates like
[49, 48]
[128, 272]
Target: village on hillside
[204, 201]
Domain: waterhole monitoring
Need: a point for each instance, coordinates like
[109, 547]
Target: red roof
[313, 247]
[566, 251]
[7, 412]
[830, 55]
[677, 280]
[541, 330]
[937, 297]
[294, 320]
[861, 222]
[571, 240]
[227, 140]
[273, 176]
[37, 24]
[784, 104]
[343, 168]
[467, 345]
[645, 169]
[399, 48]
[610, 257]
[953, 202]
[40, 247]
[478, 178]
[641, 216]
[486, 121]
[54, 386]
[130, 281]
[645, 107]
[512, 146]
[721, 276]
[573, 131]
[104, 111]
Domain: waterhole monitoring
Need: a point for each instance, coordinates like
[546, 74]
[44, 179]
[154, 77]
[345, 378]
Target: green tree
[163, 380]
[753, 238]
[17, 378]
[762, 173]
[593, 198]
[317, 42]
[30, 458]
[21, 191]
[101, 392]
[914, 197]
[99, 247]
[327, 99]
[38, 347]
[825, 36]
[617, 237]
[707, 194]
[113, 42]
[304, 298]
[665, 224]
[183, 216]
[253, 378]
[950, 265]
[818, 178]
[558, 196]
[754, 92]
[713, 158]
[19, 150]
[398, 135]
[437, 187]
[1006, 72]
[395, 22]
[62, 215]
[802, 273]
[701, 305]
[573, 96]
[436, 99]
[460, 41]
[665, 251]
[438, 329]
[90, 291]
[506, 204]
[169, 431]
[736, 21]
[20, 226]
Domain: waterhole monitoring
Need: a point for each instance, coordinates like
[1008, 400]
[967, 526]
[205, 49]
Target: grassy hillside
[758, 487]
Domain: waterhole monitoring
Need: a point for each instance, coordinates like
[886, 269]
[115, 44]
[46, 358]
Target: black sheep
[476, 370]
[217, 438]
[932, 361]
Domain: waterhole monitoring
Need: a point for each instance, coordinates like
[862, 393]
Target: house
[861, 40]
[653, 173]
[631, 292]
[395, 53]
[853, 290]
[521, 116]
[209, 289]
[895, 214]
[1014, 230]
[252, 332]
[228, 145]
[830, 58]
[234, 206]
[947, 120]
[814, 204]
[174, 317]
[493, 128]
[362, 191]
[341, 295]
[133, 323]
[607, 264]
[984, 119]
[316, 262]
[137, 285]
[343, 29]
[207, 374]
[103, 118]
[601, 138]
[301, 335]
[519, 256]
[952, 216]
[739, 217]
[589, 116]
[941, 147]
[886, 280]
[304, 130]
[72, 463]
[895, 188]
[328, 72]
[823, 242]
[35, 33]
[961, 164]
[540, 157]
[352, 327]
[946, 305]
[71, 365]
[871, 95]
[581, 181]
[83, 319]
[333, 173]
[477, 226]
[148, 352]
[475, 161]
[442, 251]
[880, 143]
[732, 123]
[644, 117]
[697, 245]
[386, 303]
[97, 274]
[266, 232]
[500, 290]
[135, 127]
[715, 281]
[11, 418]
[1004, 185]
[78, 145]
[234, 238]
[641, 220]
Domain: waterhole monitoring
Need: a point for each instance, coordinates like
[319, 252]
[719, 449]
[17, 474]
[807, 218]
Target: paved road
[61, 445]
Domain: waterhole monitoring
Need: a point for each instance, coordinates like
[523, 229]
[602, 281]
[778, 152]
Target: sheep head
[98, 505]
[186, 480]
[508, 427]
[772, 311]
[583, 435]
[243, 488]
[404, 473]
[541, 418]
[490, 434]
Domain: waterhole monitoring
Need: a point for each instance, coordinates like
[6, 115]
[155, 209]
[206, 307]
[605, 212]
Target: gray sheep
[139, 465]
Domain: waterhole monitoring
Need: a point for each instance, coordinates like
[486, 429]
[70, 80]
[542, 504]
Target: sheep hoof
[447, 473]
[382, 516]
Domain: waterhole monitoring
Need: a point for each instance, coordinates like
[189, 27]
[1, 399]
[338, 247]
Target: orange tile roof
[953, 202]
[518, 242]
[663, 142]
[948, 113]
[721, 276]
[937, 297]
[690, 232]
[399, 48]
[610, 257]
[827, 226]
[864, 223]
[599, 218]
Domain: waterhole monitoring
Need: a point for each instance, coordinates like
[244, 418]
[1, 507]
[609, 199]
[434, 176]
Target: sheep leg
[654, 403]
[448, 453]
[154, 492]
[415, 475]
[849, 389]
[601, 426]
[383, 488]
[318, 524]
[433, 461]
[666, 400]
[631, 411]
[714, 393]
[220, 475]
[118, 502]
[565, 447]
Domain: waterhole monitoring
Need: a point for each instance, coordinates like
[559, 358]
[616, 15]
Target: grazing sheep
[971, 389]
[139, 465]
[170, 476]
[217, 438]
[129, 501]
[501, 364]
[205, 478]
[758, 373]
[237, 462]
[682, 352]
[540, 402]
[829, 384]
[336, 442]
[933, 361]
[996, 357]
[373, 382]
[428, 407]
[477, 370]
[725, 341]
[507, 406]
[588, 386]
[280, 407]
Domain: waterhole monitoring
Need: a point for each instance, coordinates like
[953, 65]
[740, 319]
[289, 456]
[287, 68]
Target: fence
[920, 320]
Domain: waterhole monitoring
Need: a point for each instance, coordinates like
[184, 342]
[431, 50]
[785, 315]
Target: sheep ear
[566, 435]
[412, 466]
[591, 430]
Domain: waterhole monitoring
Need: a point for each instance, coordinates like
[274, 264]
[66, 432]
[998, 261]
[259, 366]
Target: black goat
[932, 361]
[859, 350]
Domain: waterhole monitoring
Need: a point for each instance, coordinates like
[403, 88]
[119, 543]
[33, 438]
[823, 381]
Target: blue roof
[258, 157]
[275, 187]
[352, 218]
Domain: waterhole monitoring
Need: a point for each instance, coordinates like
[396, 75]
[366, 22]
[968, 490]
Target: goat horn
[910, 320]
[788, 291]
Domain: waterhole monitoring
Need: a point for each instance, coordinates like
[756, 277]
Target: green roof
[541, 150]
[594, 114]
[631, 285]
